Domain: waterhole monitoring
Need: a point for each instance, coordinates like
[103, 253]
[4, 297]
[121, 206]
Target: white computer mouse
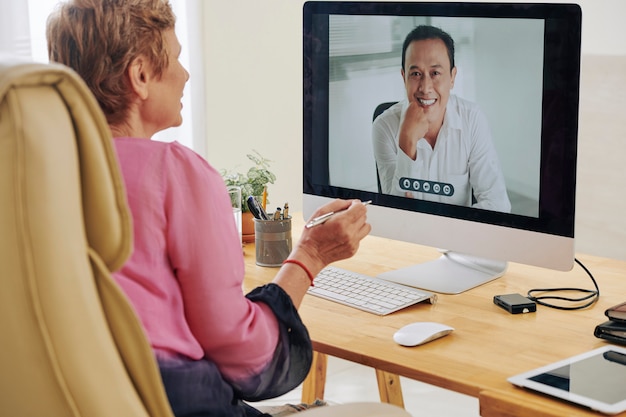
[420, 332]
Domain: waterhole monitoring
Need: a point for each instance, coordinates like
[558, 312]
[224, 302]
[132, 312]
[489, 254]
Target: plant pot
[247, 227]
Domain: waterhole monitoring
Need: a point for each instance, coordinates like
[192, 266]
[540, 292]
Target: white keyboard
[366, 293]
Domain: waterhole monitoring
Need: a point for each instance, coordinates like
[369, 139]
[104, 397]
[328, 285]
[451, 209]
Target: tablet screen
[594, 379]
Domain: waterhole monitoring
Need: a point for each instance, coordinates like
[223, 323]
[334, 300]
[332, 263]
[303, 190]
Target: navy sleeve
[294, 353]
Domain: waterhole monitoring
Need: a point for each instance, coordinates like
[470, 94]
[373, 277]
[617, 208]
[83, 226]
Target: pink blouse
[184, 277]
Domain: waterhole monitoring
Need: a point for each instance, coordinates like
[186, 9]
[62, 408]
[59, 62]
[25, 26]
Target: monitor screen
[458, 120]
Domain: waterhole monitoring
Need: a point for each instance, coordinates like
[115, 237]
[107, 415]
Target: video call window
[499, 65]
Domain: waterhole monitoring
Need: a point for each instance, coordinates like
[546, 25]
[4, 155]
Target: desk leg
[389, 388]
[313, 385]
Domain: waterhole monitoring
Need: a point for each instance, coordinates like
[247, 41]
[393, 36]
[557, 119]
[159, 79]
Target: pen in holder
[272, 241]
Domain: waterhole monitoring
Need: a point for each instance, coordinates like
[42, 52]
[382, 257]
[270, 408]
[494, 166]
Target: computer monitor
[510, 124]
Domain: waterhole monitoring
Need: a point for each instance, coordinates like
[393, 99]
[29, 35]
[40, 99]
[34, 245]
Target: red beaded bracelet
[301, 265]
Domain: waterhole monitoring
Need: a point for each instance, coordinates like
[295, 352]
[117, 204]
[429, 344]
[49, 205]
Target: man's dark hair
[424, 32]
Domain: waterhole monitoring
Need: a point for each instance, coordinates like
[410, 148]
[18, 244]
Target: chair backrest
[71, 343]
[377, 111]
[381, 108]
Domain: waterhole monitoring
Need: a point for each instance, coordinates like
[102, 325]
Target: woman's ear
[139, 76]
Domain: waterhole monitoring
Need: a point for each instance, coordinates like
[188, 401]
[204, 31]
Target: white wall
[253, 84]
[254, 90]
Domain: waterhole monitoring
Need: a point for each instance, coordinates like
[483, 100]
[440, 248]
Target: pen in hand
[321, 219]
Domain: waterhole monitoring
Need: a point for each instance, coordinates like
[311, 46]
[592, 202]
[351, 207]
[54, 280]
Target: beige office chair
[71, 344]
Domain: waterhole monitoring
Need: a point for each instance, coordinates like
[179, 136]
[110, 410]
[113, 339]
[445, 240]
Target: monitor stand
[452, 273]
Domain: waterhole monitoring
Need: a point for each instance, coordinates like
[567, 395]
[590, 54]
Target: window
[23, 29]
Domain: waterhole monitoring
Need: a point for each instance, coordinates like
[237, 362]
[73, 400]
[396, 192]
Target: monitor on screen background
[498, 185]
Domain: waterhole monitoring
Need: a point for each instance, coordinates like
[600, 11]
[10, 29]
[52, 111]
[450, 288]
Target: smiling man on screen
[434, 145]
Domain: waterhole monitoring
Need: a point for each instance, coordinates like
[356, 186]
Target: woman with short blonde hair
[215, 347]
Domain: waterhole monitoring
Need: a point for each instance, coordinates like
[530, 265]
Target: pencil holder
[272, 239]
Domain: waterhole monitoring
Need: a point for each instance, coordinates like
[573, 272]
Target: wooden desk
[488, 346]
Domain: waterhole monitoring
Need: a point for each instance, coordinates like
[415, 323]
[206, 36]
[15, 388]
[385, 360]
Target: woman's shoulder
[148, 148]
[139, 149]
[171, 157]
[179, 153]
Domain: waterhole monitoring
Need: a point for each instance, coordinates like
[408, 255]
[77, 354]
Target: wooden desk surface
[488, 344]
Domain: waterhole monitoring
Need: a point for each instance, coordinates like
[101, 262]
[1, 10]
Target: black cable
[592, 295]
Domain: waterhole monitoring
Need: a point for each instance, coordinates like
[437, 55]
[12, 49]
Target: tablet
[595, 379]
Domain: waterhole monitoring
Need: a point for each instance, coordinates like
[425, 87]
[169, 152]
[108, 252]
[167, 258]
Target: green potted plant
[253, 183]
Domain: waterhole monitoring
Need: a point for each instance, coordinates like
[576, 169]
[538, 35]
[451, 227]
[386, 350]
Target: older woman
[214, 345]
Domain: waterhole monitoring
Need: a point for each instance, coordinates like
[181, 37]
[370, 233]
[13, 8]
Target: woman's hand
[338, 237]
[335, 239]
